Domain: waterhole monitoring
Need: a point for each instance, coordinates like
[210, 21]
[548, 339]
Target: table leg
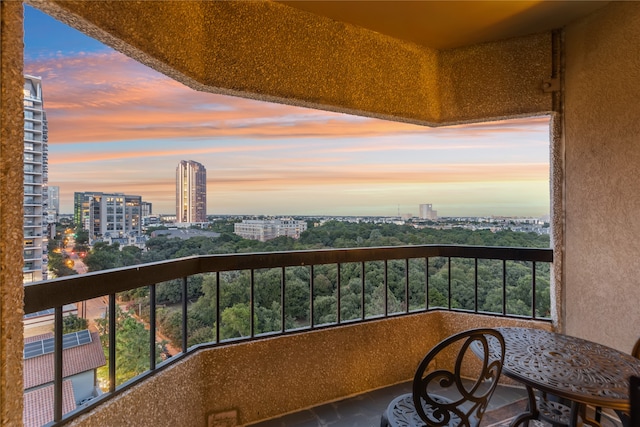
[530, 414]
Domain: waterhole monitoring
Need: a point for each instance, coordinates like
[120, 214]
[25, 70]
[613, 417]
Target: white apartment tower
[267, 229]
[191, 192]
[427, 212]
[35, 182]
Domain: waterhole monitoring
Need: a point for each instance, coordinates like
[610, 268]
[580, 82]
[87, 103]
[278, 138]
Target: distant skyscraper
[52, 209]
[35, 182]
[426, 212]
[53, 199]
[191, 192]
[146, 209]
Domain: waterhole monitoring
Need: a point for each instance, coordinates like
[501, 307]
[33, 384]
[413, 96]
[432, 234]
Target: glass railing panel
[169, 312]
[490, 286]
[267, 297]
[374, 289]
[518, 288]
[201, 313]
[297, 297]
[417, 284]
[132, 337]
[463, 284]
[542, 290]
[396, 286]
[234, 304]
[438, 282]
[325, 294]
[350, 291]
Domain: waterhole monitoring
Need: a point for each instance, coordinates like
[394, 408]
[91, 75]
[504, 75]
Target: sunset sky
[117, 126]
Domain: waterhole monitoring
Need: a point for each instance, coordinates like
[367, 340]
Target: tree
[57, 265]
[81, 237]
[73, 323]
[132, 346]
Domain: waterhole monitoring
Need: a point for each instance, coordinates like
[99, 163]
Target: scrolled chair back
[453, 383]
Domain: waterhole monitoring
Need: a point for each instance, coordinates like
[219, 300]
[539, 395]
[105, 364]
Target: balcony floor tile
[364, 410]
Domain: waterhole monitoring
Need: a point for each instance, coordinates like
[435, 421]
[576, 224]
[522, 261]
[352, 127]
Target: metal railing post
[112, 342]
[362, 292]
[57, 350]
[152, 327]
[406, 285]
[252, 303]
[386, 288]
[504, 287]
[184, 314]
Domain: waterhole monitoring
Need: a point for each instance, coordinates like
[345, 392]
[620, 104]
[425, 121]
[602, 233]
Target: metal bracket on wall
[551, 85]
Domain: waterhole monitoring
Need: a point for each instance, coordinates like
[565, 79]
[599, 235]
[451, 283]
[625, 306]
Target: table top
[569, 367]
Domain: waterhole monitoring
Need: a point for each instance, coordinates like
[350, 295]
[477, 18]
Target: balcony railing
[396, 271]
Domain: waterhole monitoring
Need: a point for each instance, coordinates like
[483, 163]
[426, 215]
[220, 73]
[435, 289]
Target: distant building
[53, 198]
[191, 192]
[108, 214]
[146, 209]
[35, 182]
[184, 233]
[167, 219]
[150, 221]
[52, 209]
[268, 229]
[82, 355]
[427, 212]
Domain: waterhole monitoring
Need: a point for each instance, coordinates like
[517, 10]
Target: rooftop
[39, 370]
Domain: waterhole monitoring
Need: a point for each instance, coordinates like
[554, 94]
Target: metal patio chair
[454, 389]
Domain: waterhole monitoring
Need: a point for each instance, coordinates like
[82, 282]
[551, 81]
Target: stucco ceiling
[451, 24]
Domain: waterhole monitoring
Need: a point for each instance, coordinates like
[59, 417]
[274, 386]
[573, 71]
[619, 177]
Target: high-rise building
[191, 192]
[427, 212]
[53, 193]
[52, 209]
[35, 181]
[108, 214]
[146, 209]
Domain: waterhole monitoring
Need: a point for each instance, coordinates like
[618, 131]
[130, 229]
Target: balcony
[299, 364]
[578, 64]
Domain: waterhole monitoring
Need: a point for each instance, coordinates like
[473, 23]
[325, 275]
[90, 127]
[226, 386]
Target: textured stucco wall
[268, 51]
[496, 79]
[275, 376]
[602, 131]
[11, 154]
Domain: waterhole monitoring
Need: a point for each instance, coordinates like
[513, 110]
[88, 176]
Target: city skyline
[118, 126]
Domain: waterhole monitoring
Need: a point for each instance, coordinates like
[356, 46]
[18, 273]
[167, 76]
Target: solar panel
[84, 337]
[71, 340]
[40, 313]
[33, 349]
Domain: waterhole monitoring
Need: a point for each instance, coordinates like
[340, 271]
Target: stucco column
[11, 212]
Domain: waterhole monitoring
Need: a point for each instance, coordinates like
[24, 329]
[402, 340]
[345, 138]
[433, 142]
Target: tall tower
[35, 182]
[427, 212]
[191, 192]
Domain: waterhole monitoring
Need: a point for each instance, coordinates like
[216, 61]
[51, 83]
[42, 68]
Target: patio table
[584, 372]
